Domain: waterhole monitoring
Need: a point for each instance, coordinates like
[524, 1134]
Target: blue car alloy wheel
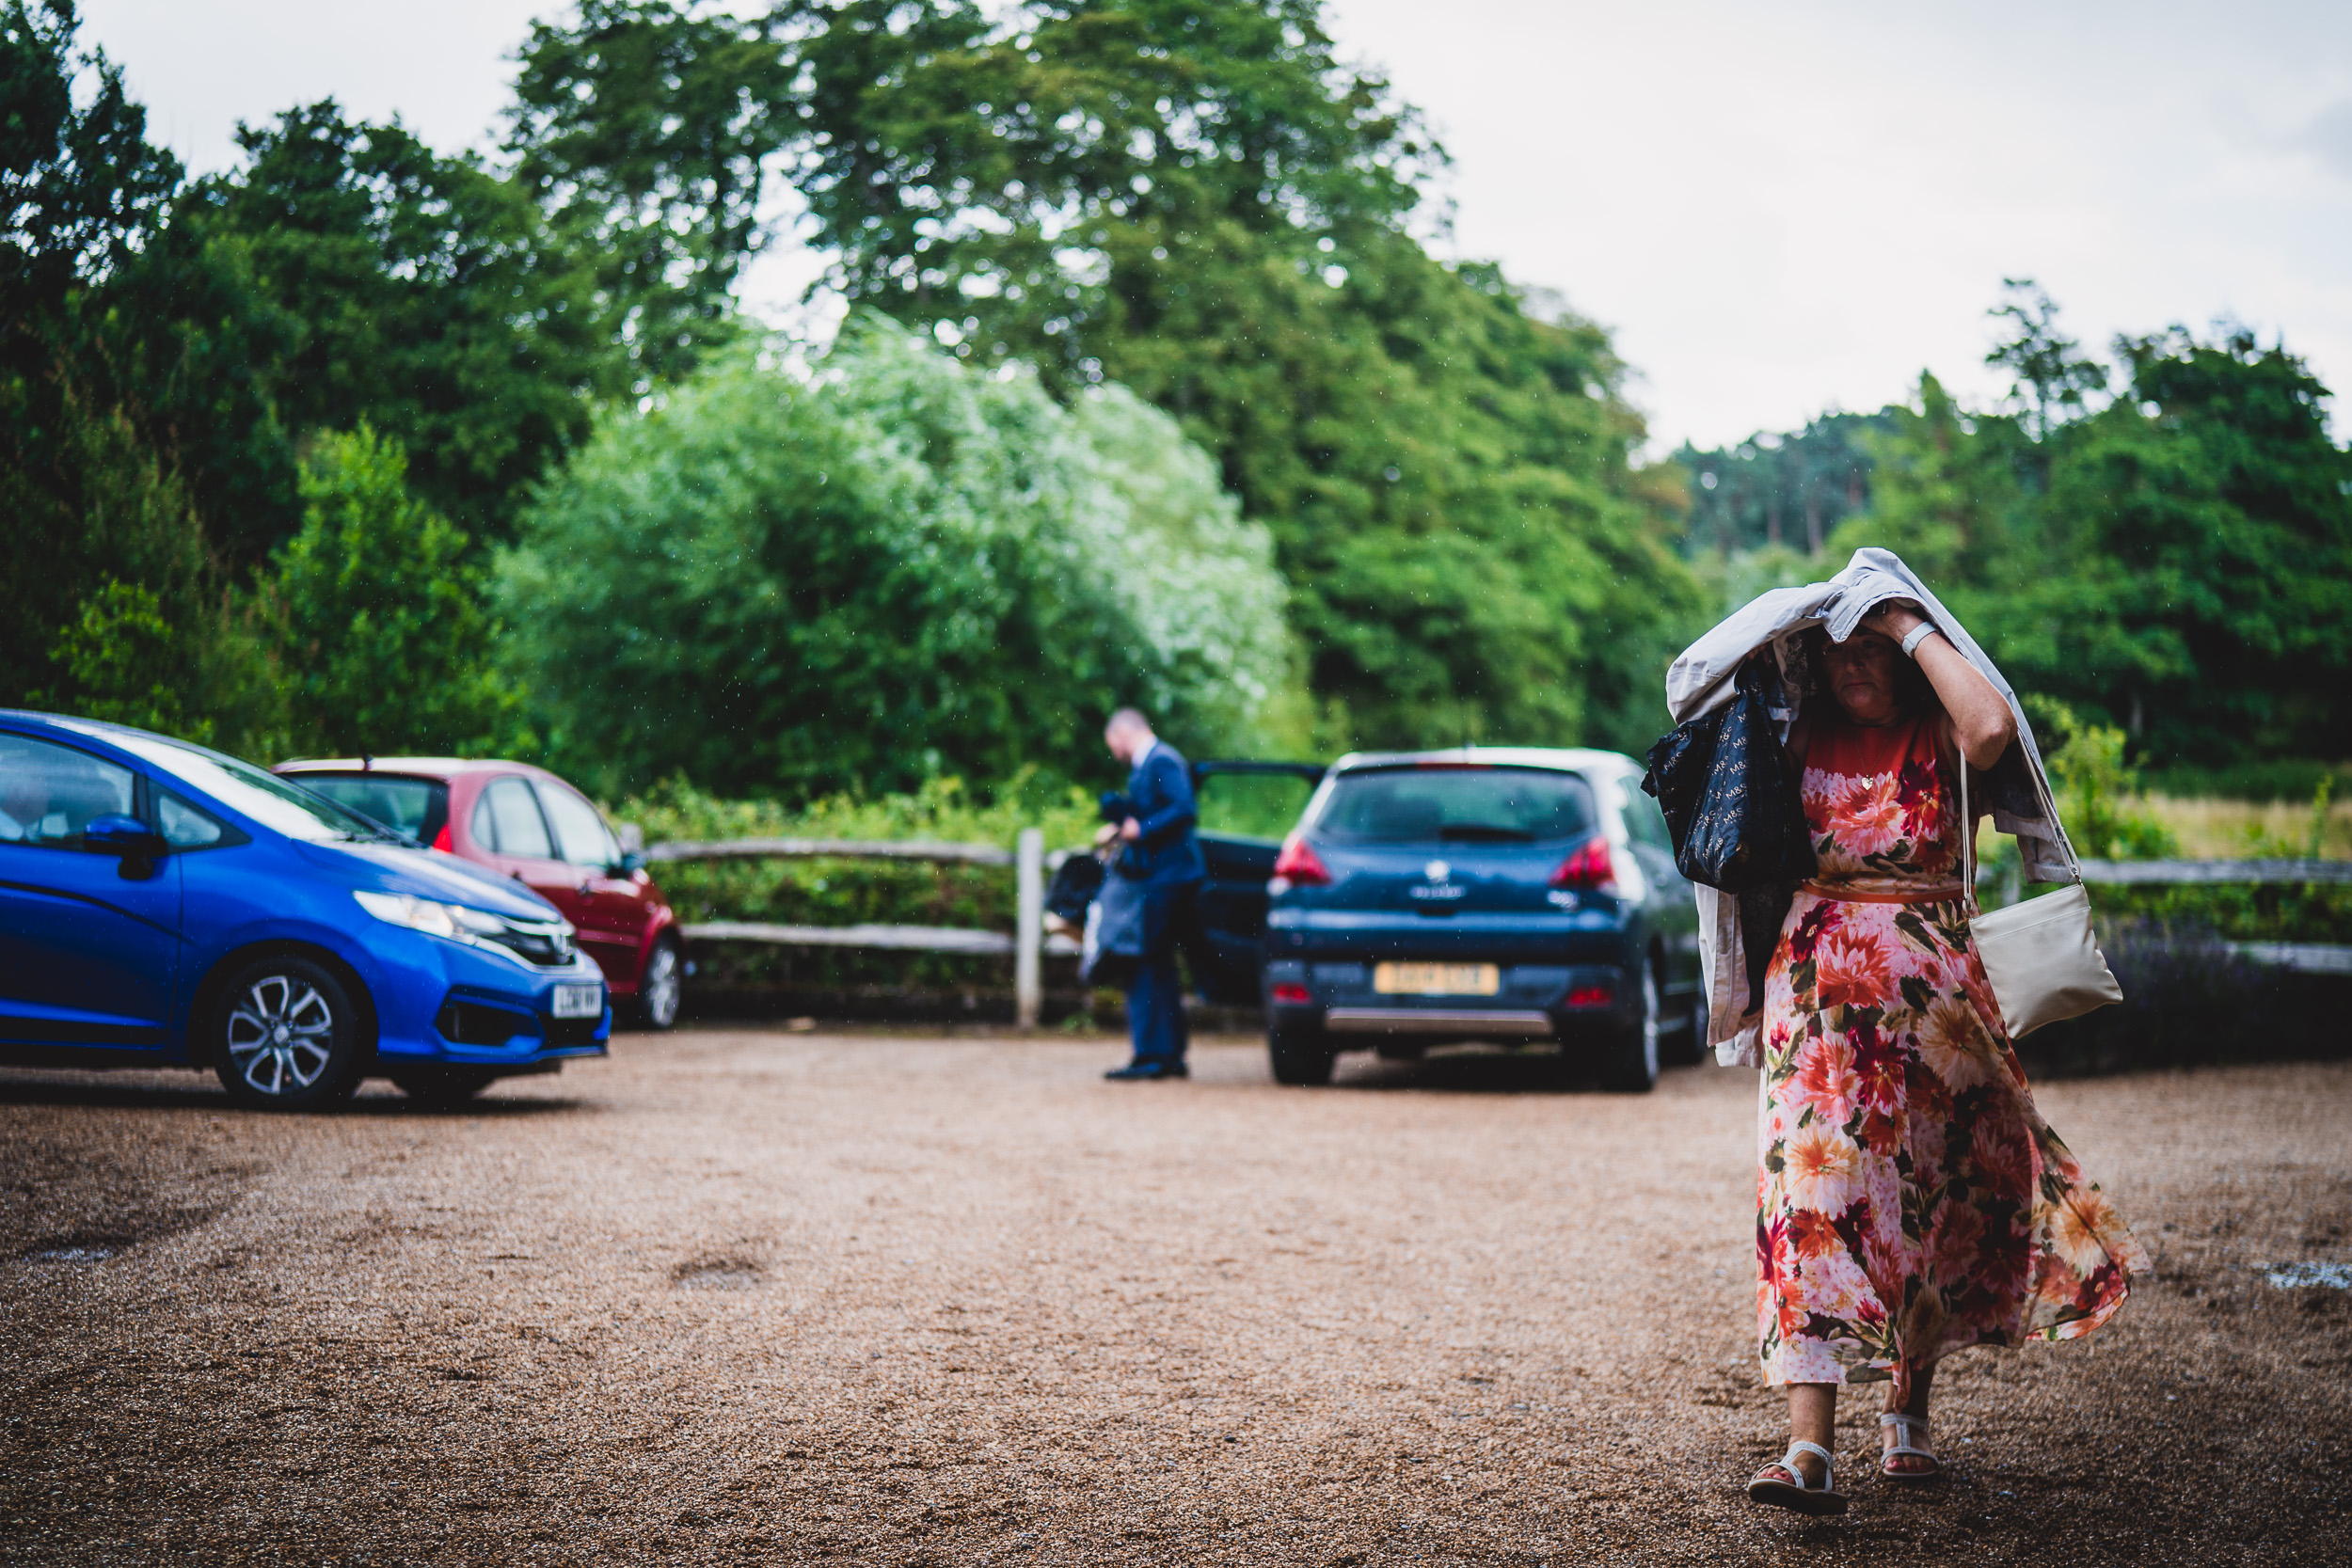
[164, 904]
[287, 1036]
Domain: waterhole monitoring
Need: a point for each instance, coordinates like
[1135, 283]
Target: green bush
[888, 568]
[2094, 786]
[2248, 911]
[2095, 793]
[387, 644]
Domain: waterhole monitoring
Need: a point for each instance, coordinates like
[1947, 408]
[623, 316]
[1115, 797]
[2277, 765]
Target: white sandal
[1910, 1430]
[1794, 1493]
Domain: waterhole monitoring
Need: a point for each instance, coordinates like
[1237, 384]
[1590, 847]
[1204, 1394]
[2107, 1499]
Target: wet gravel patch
[794, 1297]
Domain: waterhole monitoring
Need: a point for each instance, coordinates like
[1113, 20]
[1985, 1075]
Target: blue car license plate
[579, 1001]
[1437, 979]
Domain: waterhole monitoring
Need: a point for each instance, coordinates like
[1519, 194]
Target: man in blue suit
[1161, 852]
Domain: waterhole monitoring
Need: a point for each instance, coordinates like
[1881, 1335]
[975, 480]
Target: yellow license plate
[1437, 979]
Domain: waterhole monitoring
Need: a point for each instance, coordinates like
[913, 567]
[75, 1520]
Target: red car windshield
[415, 808]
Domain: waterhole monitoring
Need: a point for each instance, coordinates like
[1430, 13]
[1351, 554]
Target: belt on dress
[1857, 896]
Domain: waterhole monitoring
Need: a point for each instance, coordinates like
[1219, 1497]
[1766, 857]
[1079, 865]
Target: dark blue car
[163, 904]
[1497, 894]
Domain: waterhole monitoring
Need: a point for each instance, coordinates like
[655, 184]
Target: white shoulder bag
[2038, 954]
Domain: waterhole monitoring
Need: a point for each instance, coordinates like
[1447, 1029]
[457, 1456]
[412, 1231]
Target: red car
[530, 825]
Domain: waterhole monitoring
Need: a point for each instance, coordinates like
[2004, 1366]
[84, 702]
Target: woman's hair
[1913, 692]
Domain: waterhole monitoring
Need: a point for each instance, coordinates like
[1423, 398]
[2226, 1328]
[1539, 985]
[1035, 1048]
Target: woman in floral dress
[1911, 1200]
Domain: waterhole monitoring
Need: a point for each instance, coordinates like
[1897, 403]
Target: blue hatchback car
[1484, 893]
[163, 904]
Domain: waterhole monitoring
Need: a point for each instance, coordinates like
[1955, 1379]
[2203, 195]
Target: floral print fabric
[1911, 1200]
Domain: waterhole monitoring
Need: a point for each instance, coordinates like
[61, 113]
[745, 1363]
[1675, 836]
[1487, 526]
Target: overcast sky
[1776, 209]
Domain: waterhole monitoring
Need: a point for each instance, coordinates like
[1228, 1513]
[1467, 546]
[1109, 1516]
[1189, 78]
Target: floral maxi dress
[1911, 1201]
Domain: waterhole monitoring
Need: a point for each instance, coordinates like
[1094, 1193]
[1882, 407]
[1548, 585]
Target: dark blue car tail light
[1590, 996]
[1293, 996]
[1298, 865]
[1589, 867]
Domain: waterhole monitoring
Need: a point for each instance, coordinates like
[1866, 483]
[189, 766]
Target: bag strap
[1967, 835]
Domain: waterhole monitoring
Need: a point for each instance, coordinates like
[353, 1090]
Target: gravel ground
[761, 1298]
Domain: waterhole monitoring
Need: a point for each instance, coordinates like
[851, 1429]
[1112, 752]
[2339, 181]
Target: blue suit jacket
[1160, 794]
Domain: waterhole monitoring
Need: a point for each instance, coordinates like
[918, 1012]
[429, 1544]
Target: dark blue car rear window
[1457, 805]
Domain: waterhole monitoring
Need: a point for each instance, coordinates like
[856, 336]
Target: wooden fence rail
[2128, 871]
[2310, 957]
[1029, 942]
[831, 848]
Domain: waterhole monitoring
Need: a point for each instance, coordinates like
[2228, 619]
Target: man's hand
[1104, 834]
[1130, 829]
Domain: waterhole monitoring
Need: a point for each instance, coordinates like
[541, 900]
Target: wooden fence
[2307, 957]
[1029, 942]
[2124, 873]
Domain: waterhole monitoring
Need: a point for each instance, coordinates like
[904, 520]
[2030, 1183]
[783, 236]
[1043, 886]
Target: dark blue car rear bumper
[1574, 967]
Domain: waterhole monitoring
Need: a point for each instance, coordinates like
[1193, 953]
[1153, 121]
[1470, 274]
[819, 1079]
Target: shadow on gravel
[202, 1094]
[1470, 1070]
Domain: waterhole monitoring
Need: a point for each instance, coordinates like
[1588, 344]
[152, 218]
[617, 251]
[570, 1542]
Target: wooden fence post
[1029, 942]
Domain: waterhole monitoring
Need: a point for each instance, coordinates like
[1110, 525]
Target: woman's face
[1861, 672]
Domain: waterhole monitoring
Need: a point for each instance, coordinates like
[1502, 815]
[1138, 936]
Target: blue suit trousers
[1155, 997]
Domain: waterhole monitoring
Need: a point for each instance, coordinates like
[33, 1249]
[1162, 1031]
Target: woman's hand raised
[1895, 619]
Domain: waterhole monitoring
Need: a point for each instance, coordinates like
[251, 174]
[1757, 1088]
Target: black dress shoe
[1135, 1070]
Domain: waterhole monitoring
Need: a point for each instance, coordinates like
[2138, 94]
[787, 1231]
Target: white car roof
[1566, 759]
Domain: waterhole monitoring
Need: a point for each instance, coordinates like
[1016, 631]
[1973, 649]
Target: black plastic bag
[1730, 796]
[1073, 888]
[1117, 931]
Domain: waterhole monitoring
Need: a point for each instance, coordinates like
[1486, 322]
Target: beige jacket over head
[1700, 681]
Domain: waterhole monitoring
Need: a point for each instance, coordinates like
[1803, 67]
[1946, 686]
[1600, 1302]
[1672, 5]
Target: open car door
[1245, 809]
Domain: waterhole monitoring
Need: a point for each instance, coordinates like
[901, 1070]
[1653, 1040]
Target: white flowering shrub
[882, 566]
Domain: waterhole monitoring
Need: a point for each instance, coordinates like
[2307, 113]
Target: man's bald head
[1128, 733]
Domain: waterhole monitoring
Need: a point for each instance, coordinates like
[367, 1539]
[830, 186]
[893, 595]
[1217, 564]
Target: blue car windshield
[1457, 805]
[256, 792]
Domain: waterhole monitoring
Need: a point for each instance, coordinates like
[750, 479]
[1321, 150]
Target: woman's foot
[1907, 1456]
[1803, 1479]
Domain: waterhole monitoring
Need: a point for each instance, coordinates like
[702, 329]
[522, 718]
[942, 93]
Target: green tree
[92, 507]
[888, 568]
[166, 349]
[378, 281]
[641, 126]
[1775, 491]
[2054, 382]
[387, 642]
[2177, 564]
[1197, 201]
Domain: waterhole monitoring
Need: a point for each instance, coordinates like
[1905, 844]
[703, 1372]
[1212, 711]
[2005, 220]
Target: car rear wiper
[378, 835]
[1471, 830]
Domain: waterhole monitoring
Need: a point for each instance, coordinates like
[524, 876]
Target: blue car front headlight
[534, 944]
